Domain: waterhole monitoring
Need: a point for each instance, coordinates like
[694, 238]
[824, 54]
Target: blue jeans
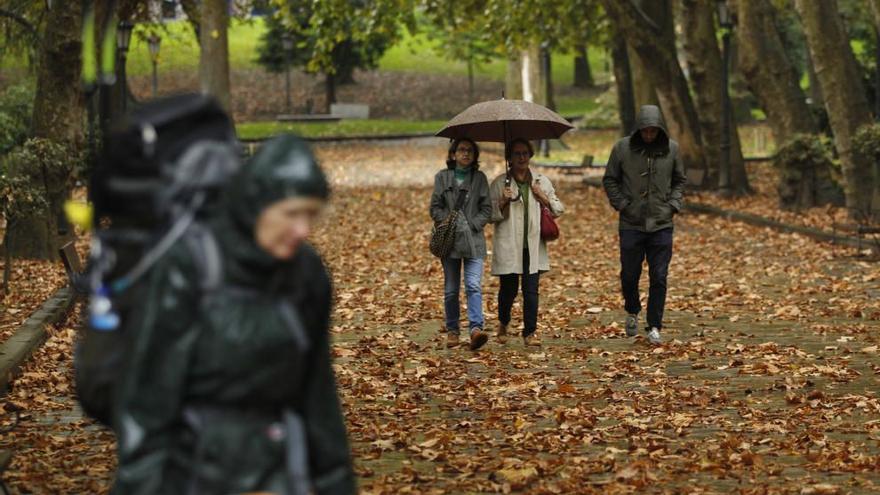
[473, 276]
[635, 246]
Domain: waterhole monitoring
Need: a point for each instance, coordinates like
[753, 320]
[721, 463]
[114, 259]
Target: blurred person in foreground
[231, 390]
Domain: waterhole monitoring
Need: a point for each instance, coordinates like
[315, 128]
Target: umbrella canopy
[502, 120]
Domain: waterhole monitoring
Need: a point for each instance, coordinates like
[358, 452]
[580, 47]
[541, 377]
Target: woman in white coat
[519, 255]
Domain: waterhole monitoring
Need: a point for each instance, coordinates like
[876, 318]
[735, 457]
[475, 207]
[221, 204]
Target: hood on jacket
[284, 167]
[650, 116]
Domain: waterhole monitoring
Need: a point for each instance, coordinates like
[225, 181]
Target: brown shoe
[478, 339]
[452, 340]
[532, 340]
[502, 333]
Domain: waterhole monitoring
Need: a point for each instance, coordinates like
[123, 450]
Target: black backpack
[159, 174]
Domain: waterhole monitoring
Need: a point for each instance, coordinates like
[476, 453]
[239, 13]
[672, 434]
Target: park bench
[309, 117]
[572, 167]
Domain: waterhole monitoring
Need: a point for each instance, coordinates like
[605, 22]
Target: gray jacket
[470, 241]
[645, 182]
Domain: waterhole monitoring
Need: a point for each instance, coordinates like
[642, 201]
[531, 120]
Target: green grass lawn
[180, 51]
[262, 130]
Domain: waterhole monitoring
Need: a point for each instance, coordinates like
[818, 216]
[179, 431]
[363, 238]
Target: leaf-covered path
[766, 383]
[767, 379]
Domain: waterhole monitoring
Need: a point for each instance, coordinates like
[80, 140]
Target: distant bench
[571, 167]
[338, 111]
[309, 117]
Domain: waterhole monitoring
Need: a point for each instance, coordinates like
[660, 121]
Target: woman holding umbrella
[461, 185]
[519, 253]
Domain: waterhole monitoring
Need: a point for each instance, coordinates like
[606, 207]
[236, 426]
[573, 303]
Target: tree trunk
[652, 38]
[815, 86]
[845, 99]
[583, 76]
[191, 9]
[470, 69]
[626, 104]
[547, 79]
[59, 115]
[531, 74]
[644, 92]
[329, 90]
[705, 63]
[769, 72]
[875, 12]
[345, 76]
[214, 59]
[513, 81]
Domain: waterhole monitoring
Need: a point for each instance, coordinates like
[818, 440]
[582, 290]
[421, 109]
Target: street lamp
[726, 21]
[123, 39]
[287, 44]
[154, 42]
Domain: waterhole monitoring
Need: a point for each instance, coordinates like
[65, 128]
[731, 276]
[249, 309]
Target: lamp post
[287, 44]
[123, 39]
[726, 21]
[154, 42]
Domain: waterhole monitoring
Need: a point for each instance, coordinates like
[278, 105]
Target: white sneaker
[654, 336]
[632, 325]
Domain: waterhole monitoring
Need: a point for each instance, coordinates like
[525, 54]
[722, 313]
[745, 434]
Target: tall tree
[623, 81]
[214, 56]
[332, 27]
[705, 69]
[769, 72]
[844, 93]
[644, 92]
[59, 116]
[583, 75]
[460, 36]
[653, 41]
[513, 79]
[347, 55]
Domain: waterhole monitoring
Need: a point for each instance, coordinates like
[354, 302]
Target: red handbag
[549, 228]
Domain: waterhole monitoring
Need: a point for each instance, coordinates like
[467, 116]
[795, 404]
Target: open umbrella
[502, 120]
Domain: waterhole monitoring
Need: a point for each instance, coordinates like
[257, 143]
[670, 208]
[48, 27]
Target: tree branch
[643, 17]
[21, 21]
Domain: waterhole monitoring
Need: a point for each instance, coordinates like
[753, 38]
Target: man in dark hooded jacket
[644, 181]
[231, 390]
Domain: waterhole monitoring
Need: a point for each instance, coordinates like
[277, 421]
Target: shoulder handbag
[549, 228]
[443, 233]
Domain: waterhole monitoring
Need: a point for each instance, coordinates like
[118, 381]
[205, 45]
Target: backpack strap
[206, 254]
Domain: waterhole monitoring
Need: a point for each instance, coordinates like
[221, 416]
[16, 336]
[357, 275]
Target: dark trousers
[635, 246]
[507, 294]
